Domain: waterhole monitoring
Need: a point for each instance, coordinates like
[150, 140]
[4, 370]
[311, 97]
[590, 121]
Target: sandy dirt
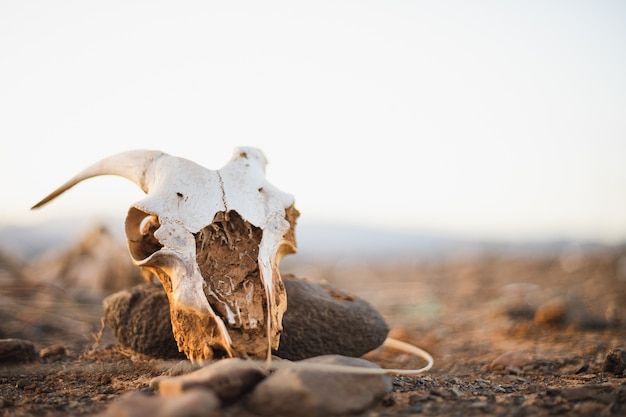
[511, 335]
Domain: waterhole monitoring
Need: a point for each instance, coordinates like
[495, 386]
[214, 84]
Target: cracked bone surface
[214, 238]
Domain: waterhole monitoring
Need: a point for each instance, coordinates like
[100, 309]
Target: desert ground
[511, 333]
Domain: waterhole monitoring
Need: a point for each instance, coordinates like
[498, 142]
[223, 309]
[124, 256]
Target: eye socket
[140, 228]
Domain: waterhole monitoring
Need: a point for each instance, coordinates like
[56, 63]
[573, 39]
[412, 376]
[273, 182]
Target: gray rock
[16, 350]
[194, 403]
[229, 379]
[296, 392]
[319, 320]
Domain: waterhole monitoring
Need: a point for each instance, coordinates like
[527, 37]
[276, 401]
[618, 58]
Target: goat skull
[214, 238]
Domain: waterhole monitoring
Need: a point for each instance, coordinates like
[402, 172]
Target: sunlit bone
[214, 238]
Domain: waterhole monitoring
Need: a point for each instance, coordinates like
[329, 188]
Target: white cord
[389, 343]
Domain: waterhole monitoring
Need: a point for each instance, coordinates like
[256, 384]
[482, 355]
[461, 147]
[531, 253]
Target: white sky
[494, 119]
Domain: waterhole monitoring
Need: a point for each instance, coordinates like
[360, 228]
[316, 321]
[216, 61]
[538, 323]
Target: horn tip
[40, 204]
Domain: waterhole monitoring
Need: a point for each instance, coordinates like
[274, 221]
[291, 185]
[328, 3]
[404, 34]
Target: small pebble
[520, 300]
[54, 350]
[510, 359]
[553, 311]
[22, 383]
[615, 362]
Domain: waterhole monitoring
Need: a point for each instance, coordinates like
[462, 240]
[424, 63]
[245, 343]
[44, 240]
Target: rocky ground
[511, 335]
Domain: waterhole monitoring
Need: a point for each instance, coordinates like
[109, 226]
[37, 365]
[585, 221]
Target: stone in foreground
[229, 379]
[297, 392]
[322, 319]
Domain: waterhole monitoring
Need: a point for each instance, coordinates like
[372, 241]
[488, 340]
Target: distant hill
[315, 241]
[30, 241]
[326, 241]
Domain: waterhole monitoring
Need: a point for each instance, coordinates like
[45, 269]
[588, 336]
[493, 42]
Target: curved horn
[131, 165]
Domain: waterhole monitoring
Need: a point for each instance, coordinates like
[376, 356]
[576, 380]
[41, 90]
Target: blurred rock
[297, 392]
[319, 320]
[16, 350]
[520, 300]
[569, 311]
[615, 362]
[52, 351]
[181, 368]
[572, 258]
[553, 311]
[511, 360]
[193, 403]
[229, 379]
[10, 268]
[97, 264]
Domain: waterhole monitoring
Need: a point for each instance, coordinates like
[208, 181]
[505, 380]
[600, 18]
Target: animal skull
[214, 238]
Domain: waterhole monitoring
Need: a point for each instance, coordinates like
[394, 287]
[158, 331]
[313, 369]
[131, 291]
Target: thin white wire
[388, 343]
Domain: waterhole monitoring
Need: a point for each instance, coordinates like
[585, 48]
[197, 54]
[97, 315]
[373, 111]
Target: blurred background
[396, 124]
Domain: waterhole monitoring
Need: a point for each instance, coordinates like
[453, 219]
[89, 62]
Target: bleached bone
[214, 238]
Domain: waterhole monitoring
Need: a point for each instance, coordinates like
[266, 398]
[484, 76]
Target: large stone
[229, 379]
[298, 392]
[319, 320]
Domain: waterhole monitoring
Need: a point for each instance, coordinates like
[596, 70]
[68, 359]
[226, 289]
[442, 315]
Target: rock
[615, 362]
[16, 350]
[569, 311]
[194, 403]
[520, 300]
[96, 264]
[140, 319]
[319, 320]
[576, 394]
[52, 351]
[181, 368]
[323, 320]
[297, 392]
[553, 311]
[510, 360]
[229, 379]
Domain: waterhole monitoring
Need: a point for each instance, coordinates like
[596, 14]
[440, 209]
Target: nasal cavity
[140, 228]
